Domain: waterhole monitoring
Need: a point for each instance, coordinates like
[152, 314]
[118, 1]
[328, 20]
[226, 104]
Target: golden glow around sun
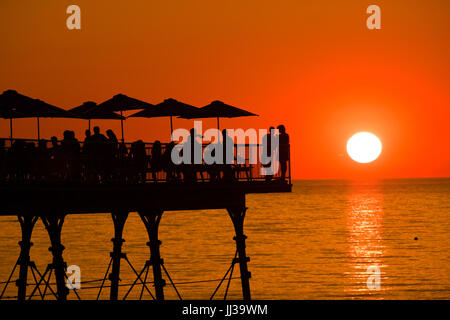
[364, 147]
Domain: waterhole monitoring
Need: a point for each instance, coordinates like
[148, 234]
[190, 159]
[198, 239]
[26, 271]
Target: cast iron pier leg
[53, 223]
[26, 224]
[119, 219]
[151, 219]
[237, 215]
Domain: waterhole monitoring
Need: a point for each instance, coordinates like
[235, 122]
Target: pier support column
[53, 223]
[26, 224]
[119, 219]
[151, 219]
[237, 215]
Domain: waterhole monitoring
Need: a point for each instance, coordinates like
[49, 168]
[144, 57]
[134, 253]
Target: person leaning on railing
[172, 171]
[111, 151]
[156, 159]
[269, 151]
[70, 148]
[284, 150]
[138, 161]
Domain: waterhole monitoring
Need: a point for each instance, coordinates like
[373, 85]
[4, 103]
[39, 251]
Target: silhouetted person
[87, 143]
[228, 155]
[112, 139]
[97, 136]
[41, 161]
[28, 160]
[16, 160]
[194, 143]
[156, 162]
[111, 155]
[268, 151]
[70, 150]
[123, 160]
[139, 160]
[168, 166]
[214, 169]
[88, 155]
[99, 153]
[189, 170]
[56, 160]
[284, 150]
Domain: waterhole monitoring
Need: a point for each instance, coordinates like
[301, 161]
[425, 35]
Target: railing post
[151, 221]
[26, 224]
[237, 215]
[53, 223]
[119, 219]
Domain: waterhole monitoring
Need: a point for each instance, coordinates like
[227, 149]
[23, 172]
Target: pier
[31, 195]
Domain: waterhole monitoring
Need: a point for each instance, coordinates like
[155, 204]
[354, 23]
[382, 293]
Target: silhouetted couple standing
[283, 152]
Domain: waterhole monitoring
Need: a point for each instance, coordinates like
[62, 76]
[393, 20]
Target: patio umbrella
[168, 108]
[218, 109]
[15, 105]
[10, 113]
[121, 102]
[89, 110]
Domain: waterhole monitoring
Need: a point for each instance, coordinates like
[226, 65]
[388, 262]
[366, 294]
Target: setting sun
[364, 147]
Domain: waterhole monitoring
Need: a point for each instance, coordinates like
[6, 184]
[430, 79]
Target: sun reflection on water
[364, 239]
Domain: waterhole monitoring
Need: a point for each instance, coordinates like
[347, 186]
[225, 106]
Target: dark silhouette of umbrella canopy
[20, 106]
[121, 102]
[85, 107]
[90, 110]
[168, 108]
[15, 105]
[218, 109]
[7, 112]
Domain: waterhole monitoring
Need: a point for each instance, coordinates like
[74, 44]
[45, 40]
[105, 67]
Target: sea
[328, 239]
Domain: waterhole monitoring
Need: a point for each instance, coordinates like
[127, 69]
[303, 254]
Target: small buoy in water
[415, 238]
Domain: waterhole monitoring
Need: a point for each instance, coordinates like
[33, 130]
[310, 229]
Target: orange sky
[311, 65]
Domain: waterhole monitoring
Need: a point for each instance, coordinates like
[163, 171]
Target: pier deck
[40, 199]
[48, 184]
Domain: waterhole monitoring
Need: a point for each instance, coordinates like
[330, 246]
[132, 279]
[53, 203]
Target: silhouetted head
[272, 130]
[157, 146]
[54, 141]
[72, 135]
[66, 134]
[281, 128]
[96, 130]
[87, 133]
[110, 134]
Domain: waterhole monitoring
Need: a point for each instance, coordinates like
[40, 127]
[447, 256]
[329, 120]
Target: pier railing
[27, 160]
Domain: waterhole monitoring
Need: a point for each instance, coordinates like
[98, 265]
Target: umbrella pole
[89, 124]
[121, 125]
[218, 126]
[171, 127]
[39, 129]
[10, 129]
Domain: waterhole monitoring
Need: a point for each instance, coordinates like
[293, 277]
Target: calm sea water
[314, 243]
